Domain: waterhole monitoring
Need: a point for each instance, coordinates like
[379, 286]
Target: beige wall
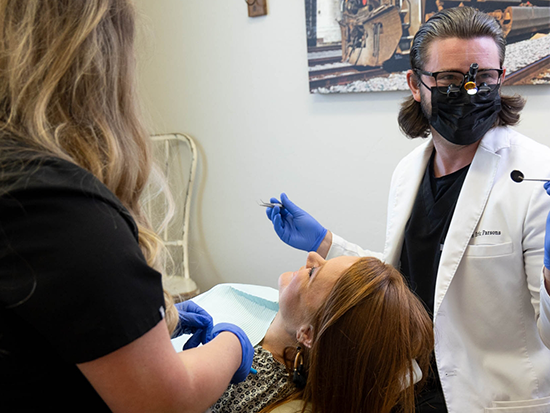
[239, 86]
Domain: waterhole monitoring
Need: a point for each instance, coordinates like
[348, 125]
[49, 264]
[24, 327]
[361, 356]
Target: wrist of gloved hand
[247, 350]
[320, 238]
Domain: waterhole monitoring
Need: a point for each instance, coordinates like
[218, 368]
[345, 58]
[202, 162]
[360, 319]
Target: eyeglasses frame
[434, 75]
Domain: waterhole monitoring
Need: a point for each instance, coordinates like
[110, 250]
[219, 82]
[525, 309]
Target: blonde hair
[67, 89]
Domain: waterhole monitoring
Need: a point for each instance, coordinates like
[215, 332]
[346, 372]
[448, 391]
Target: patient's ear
[305, 335]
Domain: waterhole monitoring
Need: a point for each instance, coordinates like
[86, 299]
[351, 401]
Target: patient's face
[304, 291]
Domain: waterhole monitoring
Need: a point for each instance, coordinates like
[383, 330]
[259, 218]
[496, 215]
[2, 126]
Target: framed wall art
[363, 45]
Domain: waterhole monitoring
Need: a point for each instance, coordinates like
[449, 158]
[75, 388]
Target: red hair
[365, 339]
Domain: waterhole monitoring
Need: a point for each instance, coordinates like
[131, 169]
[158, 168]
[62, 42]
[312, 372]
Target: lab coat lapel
[404, 193]
[469, 208]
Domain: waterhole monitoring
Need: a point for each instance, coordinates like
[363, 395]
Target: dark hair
[462, 23]
[366, 336]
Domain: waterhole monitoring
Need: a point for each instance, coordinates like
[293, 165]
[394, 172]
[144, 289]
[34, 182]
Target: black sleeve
[70, 266]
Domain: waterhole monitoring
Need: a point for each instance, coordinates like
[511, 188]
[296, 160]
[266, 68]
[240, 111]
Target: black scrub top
[74, 286]
[426, 230]
[425, 235]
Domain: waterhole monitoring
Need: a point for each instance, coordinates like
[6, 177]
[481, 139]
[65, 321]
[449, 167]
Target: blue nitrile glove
[547, 235]
[193, 319]
[295, 226]
[248, 351]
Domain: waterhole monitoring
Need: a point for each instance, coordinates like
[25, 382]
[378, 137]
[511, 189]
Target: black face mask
[461, 118]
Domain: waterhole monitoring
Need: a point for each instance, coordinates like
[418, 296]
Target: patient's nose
[315, 259]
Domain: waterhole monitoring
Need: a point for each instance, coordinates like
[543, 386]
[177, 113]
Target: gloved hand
[547, 236]
[247, 350]
[295, 226]
[193, 319]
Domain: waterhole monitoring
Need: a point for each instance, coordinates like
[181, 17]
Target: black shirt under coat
[426, 231]
[425, 235]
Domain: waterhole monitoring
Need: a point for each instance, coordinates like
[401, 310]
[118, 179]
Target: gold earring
[299, 377]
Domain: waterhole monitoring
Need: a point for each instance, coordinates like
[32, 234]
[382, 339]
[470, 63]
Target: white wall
[239, 86]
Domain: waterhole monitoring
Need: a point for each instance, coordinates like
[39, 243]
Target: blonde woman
[83, 321]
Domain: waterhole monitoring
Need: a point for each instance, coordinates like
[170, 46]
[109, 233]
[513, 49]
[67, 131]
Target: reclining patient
[348, 335]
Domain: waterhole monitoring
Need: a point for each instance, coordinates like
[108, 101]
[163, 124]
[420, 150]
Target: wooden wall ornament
[256, 7]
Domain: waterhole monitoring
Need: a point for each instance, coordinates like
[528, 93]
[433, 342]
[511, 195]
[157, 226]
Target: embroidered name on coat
[485, 232]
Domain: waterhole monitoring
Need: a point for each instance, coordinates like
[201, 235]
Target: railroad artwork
[363, 45]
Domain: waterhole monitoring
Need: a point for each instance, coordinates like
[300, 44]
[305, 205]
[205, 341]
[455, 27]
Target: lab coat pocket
[495, 250]
[521, 406]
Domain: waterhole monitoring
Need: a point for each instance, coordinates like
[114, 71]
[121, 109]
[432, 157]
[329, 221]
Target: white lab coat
[486, 307]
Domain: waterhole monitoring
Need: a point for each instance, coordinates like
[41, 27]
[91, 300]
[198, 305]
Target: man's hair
[461, 23]
[366, 336]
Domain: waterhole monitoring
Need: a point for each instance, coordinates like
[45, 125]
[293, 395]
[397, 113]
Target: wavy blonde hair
[67, 89]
